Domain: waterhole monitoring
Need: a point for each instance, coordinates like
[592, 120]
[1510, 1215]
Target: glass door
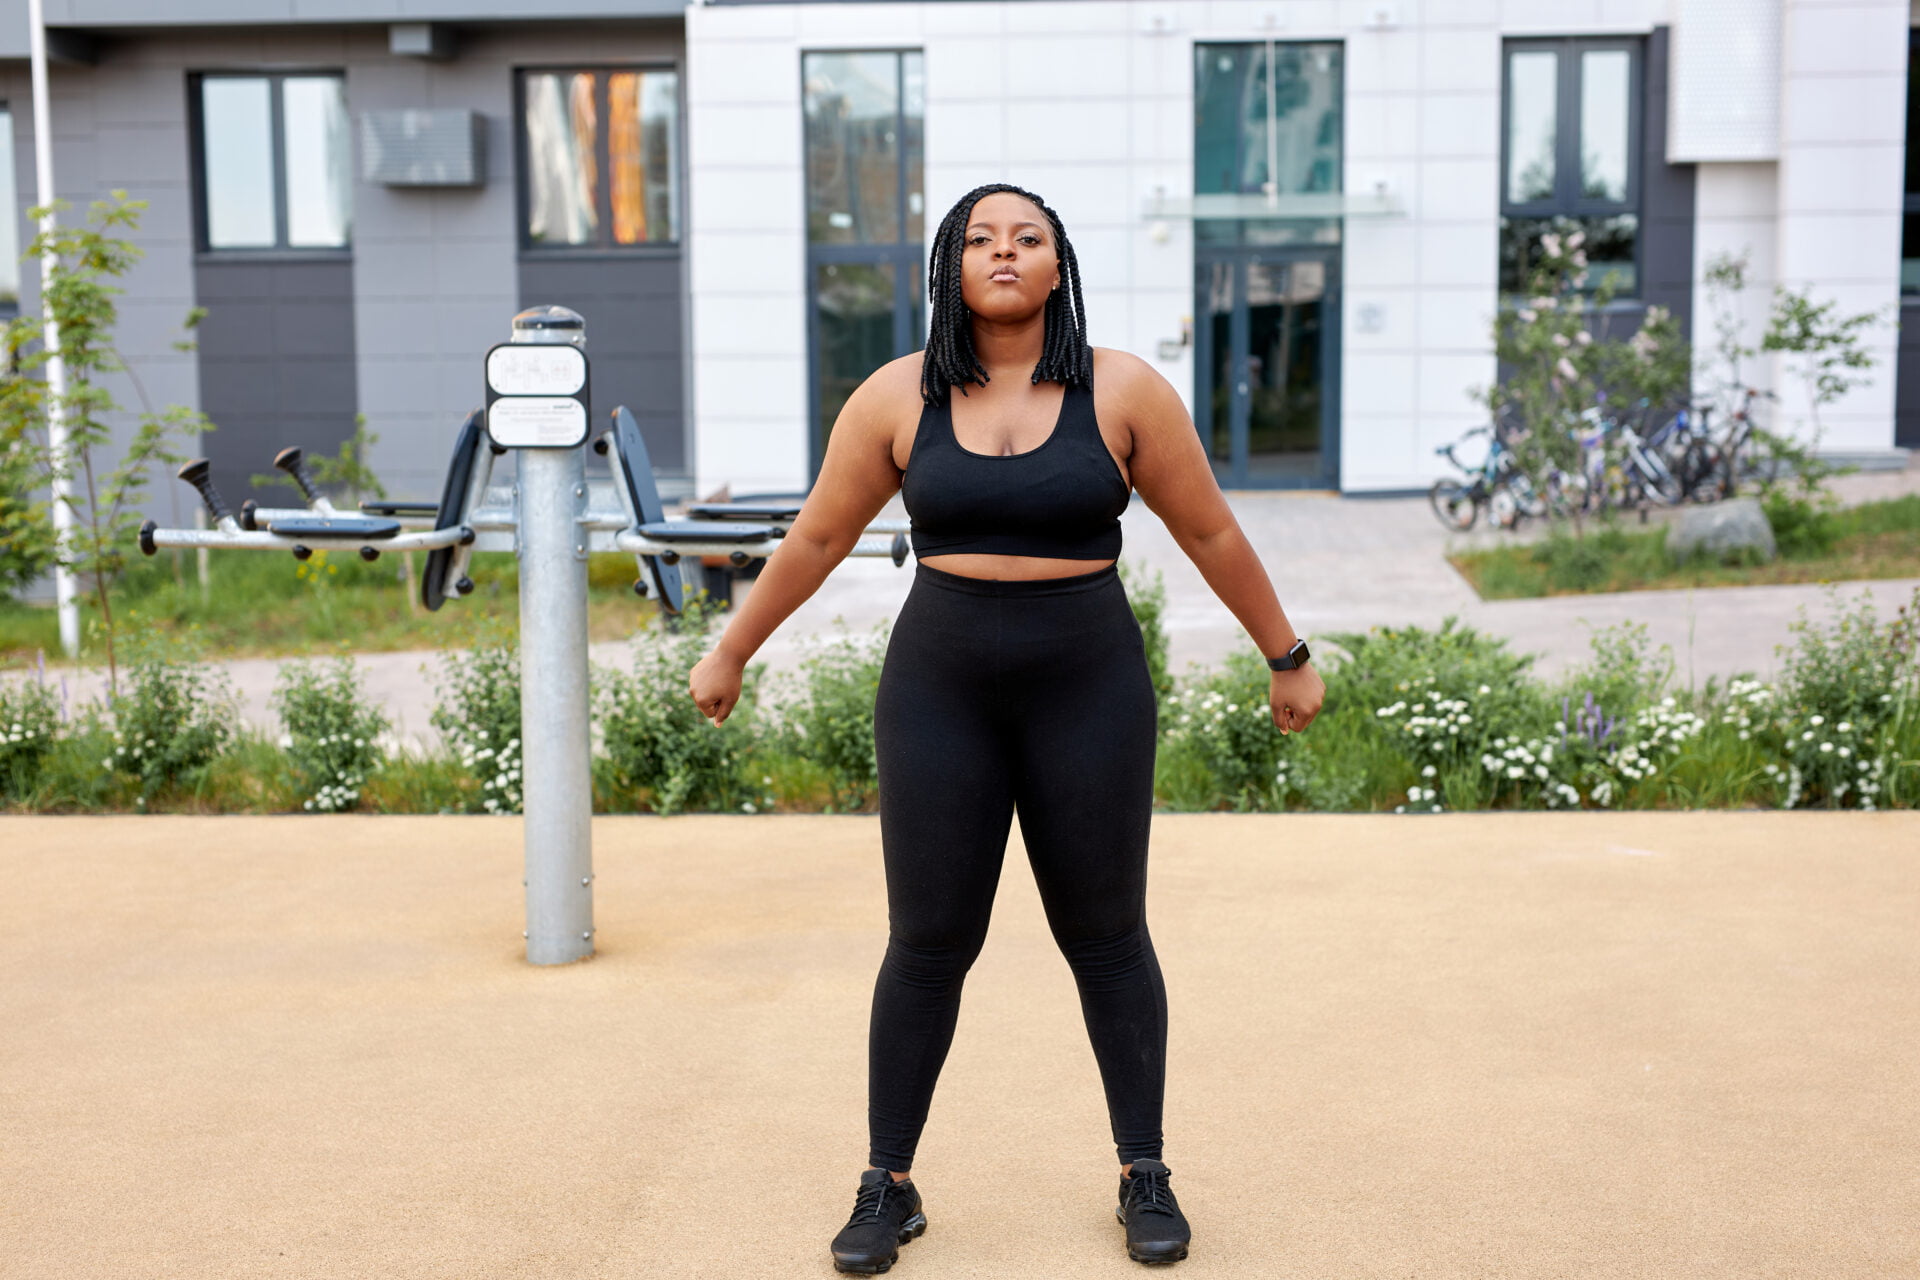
[1268, 360]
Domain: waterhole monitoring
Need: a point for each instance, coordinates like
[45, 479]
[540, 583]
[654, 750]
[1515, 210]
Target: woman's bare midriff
[1024, 568]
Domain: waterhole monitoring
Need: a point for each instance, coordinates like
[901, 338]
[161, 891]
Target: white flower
[1826, 746]
[1817, 721]
[1428, 771]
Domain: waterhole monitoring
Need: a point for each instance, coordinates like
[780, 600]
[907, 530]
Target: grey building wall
[398, 330]
[128, 130]
[277, 364]
[85, 16]
[1666, 205]
[438, 273]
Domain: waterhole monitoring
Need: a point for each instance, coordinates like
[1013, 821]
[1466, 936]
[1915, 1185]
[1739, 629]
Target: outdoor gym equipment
[552, 519]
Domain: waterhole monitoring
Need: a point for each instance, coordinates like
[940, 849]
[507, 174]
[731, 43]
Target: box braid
[1065, 356]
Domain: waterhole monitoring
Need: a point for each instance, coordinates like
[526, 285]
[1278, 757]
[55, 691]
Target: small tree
[80, 297]
[1559, 369]
[1821, 347]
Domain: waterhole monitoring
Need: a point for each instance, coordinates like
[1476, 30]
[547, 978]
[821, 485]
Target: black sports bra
[1062, 498]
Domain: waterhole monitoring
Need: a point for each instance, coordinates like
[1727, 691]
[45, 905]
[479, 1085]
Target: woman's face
[1010, 263]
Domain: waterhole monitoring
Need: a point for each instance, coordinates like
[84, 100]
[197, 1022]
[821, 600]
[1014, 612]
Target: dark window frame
[279, 250]
[907, 257]
[8, 310]
[1566, 200]
[603, 200]
[1910, 198]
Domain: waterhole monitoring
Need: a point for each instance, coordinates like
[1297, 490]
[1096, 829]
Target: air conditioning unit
[416, 148]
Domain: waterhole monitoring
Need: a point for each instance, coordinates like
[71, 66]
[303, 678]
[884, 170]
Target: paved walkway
[1339, 564]
[1616, 1046]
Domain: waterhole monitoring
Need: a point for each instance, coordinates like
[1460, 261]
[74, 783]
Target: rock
[1723, 531]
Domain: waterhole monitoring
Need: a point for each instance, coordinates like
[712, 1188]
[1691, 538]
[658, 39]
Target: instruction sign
[537, 395]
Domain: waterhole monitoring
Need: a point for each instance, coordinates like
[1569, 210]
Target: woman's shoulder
[898, 380]
[1118, 369]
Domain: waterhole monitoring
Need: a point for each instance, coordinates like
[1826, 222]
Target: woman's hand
[715, 685]
[1295, 697]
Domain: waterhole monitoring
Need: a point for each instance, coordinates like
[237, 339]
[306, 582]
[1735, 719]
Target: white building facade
[1297, 210]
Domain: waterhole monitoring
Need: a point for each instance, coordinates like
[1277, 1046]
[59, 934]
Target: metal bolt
[523, 933]
[584, 879]
[586, 935]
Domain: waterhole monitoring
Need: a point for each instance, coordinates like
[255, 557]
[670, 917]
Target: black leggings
[999, 694]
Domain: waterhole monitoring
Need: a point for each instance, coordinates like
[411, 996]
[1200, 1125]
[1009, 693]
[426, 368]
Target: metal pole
[550, 498]
[43, 194]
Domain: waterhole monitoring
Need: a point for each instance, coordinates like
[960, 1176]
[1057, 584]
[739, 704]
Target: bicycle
[1494, 484]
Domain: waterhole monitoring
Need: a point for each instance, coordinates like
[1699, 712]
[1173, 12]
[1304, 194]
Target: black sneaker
[1156, 1229]
[886, 1214]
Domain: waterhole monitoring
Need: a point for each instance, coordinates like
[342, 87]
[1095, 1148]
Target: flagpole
[63, 585]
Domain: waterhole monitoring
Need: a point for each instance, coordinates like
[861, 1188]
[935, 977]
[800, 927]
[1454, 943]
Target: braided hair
[950, 361]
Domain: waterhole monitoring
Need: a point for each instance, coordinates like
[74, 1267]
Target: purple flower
[1589, 722]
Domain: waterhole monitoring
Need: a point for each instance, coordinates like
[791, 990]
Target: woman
[1015, 677]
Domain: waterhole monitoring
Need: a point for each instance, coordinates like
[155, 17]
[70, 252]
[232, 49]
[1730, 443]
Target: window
[1266, 115]
[1570, 156]
[1266, 122]
[865, 160]
[274, 161]
[566, 149]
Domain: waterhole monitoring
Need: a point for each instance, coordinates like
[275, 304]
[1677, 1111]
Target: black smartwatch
[1292, 658]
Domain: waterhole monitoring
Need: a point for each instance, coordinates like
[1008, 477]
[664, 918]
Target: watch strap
[1292, 658]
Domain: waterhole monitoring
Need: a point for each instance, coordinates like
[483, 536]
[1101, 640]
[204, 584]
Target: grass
[1873, 540]
[262, 605]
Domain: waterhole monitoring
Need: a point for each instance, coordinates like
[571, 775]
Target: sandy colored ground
[1548, 1045]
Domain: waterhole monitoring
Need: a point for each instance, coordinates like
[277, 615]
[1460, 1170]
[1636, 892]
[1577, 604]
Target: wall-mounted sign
[537, 395]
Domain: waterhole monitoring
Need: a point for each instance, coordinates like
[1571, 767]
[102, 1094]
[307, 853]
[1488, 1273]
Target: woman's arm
[857, 477]
[1173, 476]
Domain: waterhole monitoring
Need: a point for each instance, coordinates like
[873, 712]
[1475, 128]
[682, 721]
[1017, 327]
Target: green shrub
[1846, 691]
[478, 714]
[1580, 563]
[333, 732]
[1445, 696]
[1149, 603]
[829, 722]
[29, 723]
[659, 743]
[175, 718]
[1221, 720]
[1802, 526]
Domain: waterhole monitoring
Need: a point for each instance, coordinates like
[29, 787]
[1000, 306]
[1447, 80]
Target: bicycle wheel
[1657, 482]
[1454, 504]
[1505, 510]
[1567, 492]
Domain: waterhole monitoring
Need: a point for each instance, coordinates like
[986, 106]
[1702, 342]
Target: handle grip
[196, 474]
[292, 461]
